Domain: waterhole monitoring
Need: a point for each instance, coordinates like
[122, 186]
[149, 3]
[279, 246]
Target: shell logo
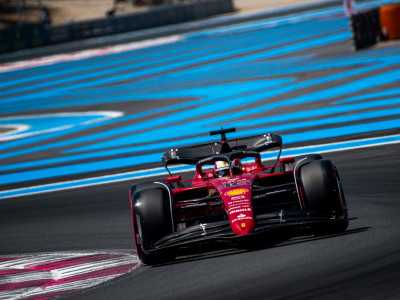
[236, 192]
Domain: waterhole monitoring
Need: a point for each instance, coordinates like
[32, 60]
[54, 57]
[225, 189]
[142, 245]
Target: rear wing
[192, 154]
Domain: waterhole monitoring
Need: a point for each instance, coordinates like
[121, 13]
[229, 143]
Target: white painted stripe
[8, 136]
[90, 267]
[104, 114]
[29, 276]
[11, 137]
[166, 31]
[23, 262]
[130, 176]
[76, 285]
[311, 149]
[69, 286]
[84, 54]
[14, 294]
[124, 260]
[78, 183]
[12, 129]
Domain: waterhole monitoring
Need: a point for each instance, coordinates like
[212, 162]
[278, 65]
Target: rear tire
[152, 220]
[322, 191]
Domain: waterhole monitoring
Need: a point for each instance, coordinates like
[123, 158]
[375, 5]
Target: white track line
[147, 173]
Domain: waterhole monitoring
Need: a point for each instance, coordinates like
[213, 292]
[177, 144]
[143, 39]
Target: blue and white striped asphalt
[221, 75]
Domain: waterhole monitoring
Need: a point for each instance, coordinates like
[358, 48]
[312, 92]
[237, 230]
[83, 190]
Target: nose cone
[243, 227]
[240, 210]
[236, 194]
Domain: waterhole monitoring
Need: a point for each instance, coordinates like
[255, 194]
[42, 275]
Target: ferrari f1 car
[248, 199]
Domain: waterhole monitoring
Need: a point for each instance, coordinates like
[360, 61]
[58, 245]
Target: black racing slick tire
[152, 220]
[321, 191]
[300, 159]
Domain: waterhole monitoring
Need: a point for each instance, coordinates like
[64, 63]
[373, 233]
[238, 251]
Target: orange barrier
[390, 20]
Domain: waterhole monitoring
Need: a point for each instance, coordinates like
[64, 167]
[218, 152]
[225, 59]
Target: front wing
[221, 230]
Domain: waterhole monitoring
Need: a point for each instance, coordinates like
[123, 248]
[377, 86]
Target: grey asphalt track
[362, 263]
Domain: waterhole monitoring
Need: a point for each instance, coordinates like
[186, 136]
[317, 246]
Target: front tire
[152, 220]
[321, 191]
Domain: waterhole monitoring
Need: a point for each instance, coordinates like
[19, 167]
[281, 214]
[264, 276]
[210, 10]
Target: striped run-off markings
[266, 75]
[146, 173]
[49, 275]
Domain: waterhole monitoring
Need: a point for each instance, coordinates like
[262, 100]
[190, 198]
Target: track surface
[305, 84]
[363, 262]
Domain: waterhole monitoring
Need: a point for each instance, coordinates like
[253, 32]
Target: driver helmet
[236, 166]
[221, 168]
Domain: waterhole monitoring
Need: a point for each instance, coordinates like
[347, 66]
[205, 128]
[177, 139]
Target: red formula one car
[233, 195]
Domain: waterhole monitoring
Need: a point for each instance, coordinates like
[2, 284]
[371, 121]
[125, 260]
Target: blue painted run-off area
[248, 76]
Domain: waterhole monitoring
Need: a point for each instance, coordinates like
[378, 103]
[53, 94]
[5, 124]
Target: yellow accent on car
[236, 192]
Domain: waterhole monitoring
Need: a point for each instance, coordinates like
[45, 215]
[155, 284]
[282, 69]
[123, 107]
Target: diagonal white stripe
[135, 175]
[76, 285]
[61, 273]
[29, 276]
[14, 294]
[74, 56]
[22, 263]
[90, 267]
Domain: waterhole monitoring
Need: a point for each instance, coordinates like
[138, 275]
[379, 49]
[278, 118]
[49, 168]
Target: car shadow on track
[254, 243]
